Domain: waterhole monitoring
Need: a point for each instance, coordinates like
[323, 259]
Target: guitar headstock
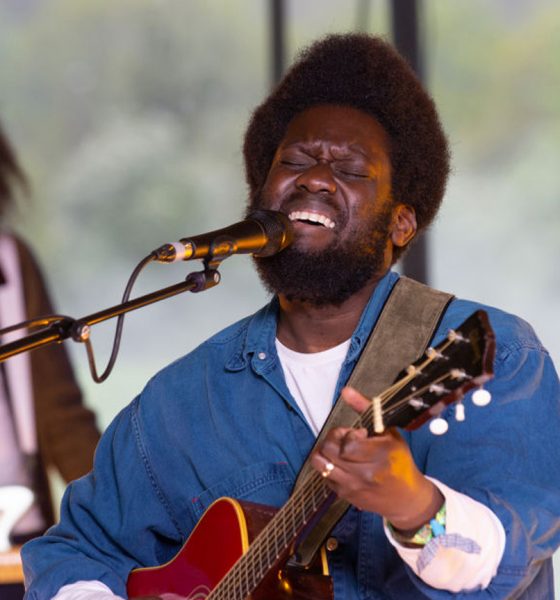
[443, 375]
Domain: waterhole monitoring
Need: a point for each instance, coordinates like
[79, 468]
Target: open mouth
[311, 218]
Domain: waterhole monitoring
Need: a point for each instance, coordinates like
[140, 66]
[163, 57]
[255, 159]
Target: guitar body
[219, 539]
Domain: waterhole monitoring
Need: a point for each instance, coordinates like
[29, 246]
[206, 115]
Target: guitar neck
[276, 541]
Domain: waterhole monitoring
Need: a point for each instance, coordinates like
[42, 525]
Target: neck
[305, 327]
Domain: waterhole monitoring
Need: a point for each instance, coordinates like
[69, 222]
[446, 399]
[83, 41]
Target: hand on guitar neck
[377, 473]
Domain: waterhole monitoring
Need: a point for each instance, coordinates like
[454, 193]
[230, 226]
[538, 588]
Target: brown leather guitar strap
[402, 333]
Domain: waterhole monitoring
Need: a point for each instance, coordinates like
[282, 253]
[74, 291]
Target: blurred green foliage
[117, 110]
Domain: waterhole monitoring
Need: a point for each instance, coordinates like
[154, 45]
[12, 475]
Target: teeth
[304, 215]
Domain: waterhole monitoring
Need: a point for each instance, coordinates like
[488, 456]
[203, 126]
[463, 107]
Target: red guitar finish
[219, 539]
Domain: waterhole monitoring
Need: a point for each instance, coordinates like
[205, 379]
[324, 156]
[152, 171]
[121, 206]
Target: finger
[348, 479]
[358, 448]
[353, 438]
[336, 439]
[345, 484]
[334, 475]
[329, 454]
[322, 464]
[355, 399]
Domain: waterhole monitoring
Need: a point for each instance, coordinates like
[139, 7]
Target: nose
[316, 179]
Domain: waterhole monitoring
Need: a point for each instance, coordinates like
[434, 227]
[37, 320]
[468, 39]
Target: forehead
[342, 126]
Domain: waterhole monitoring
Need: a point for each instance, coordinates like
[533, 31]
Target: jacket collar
[258, 343]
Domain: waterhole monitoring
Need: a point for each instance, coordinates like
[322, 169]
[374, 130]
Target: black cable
[118, 329]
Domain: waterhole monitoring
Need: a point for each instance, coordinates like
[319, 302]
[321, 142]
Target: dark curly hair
[11, 174]
[367, 73]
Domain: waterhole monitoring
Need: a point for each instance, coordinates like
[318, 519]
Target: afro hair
[367, 73]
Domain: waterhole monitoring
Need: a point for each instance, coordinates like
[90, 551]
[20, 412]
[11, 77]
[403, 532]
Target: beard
[332, 275]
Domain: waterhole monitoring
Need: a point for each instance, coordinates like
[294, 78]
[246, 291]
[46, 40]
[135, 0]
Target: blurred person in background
[43, 421]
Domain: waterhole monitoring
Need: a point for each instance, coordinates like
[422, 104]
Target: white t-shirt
[312, 378]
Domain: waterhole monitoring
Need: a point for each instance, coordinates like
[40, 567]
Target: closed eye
[352, 169]
[292, 163]
[354, 174]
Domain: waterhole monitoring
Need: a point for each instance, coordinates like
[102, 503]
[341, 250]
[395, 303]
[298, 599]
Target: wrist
[425, 507]
[419, 537]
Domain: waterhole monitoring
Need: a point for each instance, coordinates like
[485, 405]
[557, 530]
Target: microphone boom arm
[79, 329]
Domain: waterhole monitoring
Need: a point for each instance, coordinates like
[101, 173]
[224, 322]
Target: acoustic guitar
[241, 550]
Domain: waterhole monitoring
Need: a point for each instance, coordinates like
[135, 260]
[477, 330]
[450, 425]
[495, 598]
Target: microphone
[262, 233]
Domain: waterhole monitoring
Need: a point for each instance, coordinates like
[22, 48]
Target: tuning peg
[455, 336]
[481, 397]
[459, 411]
[417, 403]
[433, 354]
[459, 374]
[413, 371]
[438, 388]
[438, 426]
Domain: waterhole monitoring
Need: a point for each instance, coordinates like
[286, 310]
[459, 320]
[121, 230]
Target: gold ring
[329, 468]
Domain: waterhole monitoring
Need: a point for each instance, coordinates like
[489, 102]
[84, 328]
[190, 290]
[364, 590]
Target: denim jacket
[221, 422]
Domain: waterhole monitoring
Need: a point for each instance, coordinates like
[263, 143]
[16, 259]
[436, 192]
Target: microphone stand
[79, 329]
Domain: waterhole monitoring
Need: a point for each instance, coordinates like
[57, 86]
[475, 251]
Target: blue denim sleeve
[102, 533]
[505, 456]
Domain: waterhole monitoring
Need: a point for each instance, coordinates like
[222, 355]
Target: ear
[403, 225]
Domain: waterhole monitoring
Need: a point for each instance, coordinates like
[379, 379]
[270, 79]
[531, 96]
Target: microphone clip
[206, 279]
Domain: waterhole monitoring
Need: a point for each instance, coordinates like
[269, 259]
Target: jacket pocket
[265, 483]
